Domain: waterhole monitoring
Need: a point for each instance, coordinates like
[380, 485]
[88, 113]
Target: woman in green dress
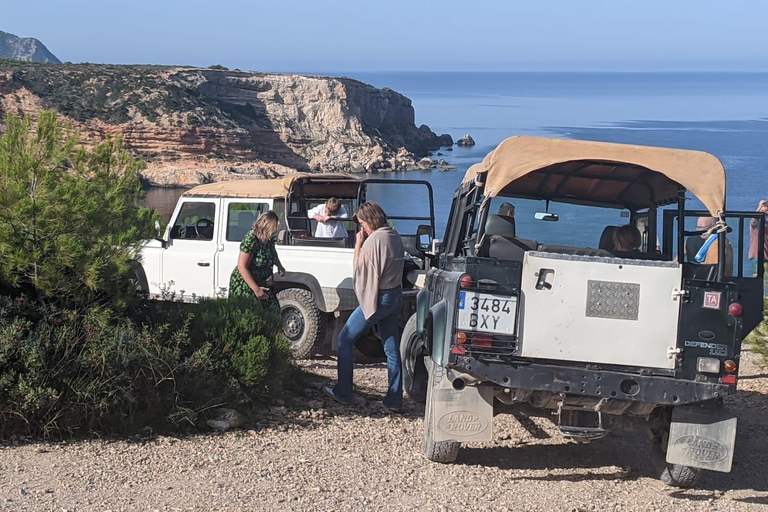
[257, 258]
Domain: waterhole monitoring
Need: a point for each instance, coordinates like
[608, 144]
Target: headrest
[245, 218]
[500, 225]
[606, 239]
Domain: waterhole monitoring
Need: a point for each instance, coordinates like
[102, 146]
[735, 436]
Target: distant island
[24, 48]
[195, 125]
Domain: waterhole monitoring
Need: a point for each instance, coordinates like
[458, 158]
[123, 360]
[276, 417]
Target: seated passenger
[627, 240]
[327, 215]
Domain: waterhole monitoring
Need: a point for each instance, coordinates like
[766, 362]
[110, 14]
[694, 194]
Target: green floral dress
[263, 260]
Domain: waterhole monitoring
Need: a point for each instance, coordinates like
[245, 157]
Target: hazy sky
[365, 35]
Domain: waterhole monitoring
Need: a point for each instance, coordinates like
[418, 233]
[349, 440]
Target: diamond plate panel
[610, 299]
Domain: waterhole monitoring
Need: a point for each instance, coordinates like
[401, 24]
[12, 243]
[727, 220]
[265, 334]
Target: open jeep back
[596, 338]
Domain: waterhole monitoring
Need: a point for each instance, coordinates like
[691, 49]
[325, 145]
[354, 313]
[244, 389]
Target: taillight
[728, 379]
[461, 338]
[482, 340]
[735, 309]
[730, 366]
[467, 281]
[458, 350]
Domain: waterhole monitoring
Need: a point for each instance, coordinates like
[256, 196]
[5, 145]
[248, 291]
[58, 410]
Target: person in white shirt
[326, 216]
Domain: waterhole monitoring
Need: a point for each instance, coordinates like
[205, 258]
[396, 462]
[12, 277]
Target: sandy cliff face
[197, 125]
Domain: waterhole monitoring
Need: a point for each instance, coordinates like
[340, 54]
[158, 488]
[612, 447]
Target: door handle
[203, 264]
[543, 274]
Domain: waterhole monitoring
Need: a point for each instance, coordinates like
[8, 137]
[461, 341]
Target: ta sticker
[712, 300]
[462, 299]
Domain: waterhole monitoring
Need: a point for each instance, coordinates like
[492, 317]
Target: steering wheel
[202, 226]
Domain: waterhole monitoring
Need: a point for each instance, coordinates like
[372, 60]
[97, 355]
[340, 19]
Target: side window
[195, 221]
[240, 218]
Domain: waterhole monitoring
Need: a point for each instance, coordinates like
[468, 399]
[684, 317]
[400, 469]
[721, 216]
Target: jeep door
[237, 219]
[189, 261]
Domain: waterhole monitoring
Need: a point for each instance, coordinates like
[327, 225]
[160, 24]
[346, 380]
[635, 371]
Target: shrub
[64, 372]
[70, 220]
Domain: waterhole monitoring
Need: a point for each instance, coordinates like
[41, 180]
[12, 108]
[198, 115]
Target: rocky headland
[25, 49]
[193, 125]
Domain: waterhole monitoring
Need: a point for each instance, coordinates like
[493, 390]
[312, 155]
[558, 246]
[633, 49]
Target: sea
[725, 114]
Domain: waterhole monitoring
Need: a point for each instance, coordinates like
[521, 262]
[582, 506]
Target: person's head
[332, 206]
[266, 226]
[627, 238]
[704, 223]
[507, 210]
[762, 206]
[371, 217]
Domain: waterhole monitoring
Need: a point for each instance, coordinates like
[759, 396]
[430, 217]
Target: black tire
[370, 346]
[444, 452]
[303, 323]
[415, 376]
[675, 475]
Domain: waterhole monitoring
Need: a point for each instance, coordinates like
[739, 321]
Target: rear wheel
[303, 322]
[675, 475]
[415, 376]
[369, 344]
[444, 452]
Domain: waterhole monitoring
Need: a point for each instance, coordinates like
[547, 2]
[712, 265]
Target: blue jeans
[387, 318]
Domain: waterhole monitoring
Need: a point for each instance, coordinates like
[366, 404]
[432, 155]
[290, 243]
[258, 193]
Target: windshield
[579, 226]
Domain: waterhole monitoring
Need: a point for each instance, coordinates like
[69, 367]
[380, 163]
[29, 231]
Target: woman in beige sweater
[378, 274]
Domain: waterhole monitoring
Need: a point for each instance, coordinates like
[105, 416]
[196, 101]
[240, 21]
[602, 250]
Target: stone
[466, 140]
[445, 140]
[315, 404]
[426, 163]
[221, 426]
[231, 417]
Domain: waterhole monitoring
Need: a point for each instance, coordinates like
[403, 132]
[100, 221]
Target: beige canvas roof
[266, 188]
[600, 173]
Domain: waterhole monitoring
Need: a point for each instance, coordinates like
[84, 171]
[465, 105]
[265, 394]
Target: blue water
[725, 114]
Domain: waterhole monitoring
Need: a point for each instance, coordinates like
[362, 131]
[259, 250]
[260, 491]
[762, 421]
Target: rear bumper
[594, 383]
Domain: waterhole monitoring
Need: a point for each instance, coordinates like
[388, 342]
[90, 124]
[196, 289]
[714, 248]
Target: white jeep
[199, 249]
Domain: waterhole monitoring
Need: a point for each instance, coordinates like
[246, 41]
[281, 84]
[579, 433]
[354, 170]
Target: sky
[398, 35]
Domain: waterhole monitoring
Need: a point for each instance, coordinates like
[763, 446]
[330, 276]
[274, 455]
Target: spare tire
[303, 322]
[412, 353]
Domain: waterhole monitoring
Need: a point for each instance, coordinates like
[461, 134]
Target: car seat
[245, 220]
[606, 239]
[500, 225]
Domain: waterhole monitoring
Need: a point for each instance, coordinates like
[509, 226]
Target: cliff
[195, 125]
[24, 48]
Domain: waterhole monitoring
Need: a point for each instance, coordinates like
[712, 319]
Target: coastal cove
[725, 114]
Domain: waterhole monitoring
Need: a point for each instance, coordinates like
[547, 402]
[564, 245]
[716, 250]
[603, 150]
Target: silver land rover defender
[595, 336]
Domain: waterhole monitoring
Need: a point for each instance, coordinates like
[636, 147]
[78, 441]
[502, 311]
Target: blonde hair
[332, 206]
[372, 214]
[266, 226]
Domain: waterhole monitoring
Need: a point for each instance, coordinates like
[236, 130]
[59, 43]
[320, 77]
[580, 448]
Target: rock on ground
[308, 453]
[466, 140]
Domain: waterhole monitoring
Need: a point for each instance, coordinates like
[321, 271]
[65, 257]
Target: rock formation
[466, 140]
[24, 48]
[196, 125]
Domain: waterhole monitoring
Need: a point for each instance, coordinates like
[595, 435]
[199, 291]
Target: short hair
[627, 236]
[705, 222]
[372, 214]
[266, 226]
[507, 209]
[332, 206]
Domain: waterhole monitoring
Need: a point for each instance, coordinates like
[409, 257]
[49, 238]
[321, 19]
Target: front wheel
[303, 322]
[415, 377]
[675, 475]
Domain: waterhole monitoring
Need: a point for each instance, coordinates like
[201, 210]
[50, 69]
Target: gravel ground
[309, 453]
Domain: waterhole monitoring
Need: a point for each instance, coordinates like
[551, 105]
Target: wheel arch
[304, 281]
[136, 267]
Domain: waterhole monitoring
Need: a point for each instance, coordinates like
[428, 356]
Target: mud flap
[702, 438]
[464, 415]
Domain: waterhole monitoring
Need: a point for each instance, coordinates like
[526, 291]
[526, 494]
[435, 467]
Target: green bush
[65, 372]
[69, 217]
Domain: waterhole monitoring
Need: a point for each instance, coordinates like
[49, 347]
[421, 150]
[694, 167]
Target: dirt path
[353, 458]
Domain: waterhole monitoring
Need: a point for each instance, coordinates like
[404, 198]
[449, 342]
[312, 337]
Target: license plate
[485, 312]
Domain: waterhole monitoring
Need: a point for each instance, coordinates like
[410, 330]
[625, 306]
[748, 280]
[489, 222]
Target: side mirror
[159, 233]
[424, 236]
[546, 216]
